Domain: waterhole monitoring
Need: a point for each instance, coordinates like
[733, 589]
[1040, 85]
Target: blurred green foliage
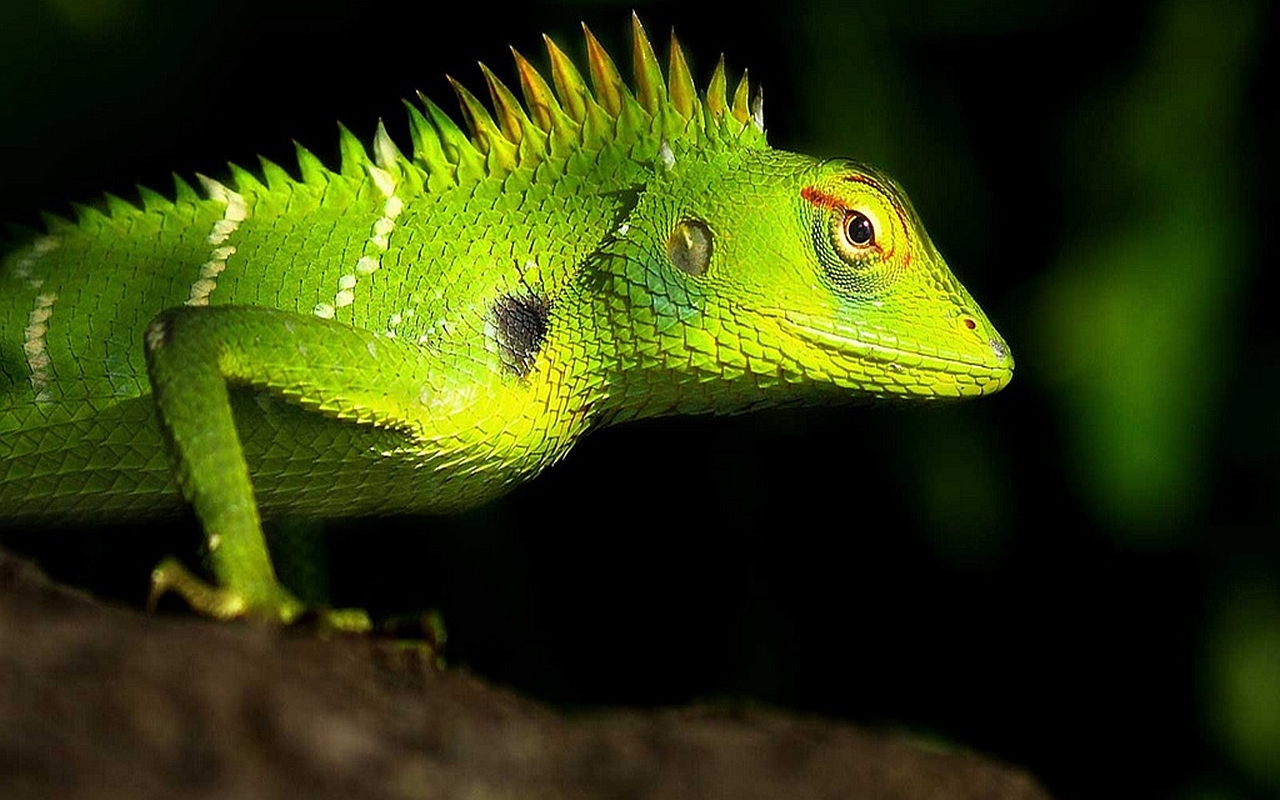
[1242, 681]
[1080, 575]
[1137, 310]
[93, 19]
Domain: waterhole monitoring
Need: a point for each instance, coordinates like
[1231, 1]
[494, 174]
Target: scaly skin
[422, 333]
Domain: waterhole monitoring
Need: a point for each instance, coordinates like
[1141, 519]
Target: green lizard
[422, 332]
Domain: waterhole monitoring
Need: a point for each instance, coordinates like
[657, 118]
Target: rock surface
[106, 702]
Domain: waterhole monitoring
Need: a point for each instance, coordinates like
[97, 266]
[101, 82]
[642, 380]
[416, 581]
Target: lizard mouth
[990, 368]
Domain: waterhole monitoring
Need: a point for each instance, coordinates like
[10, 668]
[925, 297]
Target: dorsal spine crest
[552, 123]
[574, 116]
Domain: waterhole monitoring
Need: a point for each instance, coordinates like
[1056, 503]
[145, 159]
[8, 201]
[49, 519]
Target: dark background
[1079, 575]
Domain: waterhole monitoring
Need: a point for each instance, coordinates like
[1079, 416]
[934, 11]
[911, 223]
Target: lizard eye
[854, 238]
[858, 230]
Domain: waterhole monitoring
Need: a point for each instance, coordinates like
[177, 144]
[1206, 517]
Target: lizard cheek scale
[422, 329]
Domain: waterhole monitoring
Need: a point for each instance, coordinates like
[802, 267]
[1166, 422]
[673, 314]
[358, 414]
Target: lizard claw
[280, 608]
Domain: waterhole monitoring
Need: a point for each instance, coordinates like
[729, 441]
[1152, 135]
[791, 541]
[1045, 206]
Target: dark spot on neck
[521, 322]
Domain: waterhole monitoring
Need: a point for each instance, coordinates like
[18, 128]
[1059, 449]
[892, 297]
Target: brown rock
[106, 702]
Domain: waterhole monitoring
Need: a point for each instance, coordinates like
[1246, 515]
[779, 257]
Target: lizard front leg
[193, 356]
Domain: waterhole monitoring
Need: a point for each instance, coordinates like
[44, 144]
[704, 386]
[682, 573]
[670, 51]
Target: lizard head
[777, 278]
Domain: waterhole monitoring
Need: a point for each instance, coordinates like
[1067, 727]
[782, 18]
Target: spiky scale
[478, 121]
[152, 200]
[467, 162]
[541, 101]
[515, 124]
[680, 87]
[245, 180]
[605, 79]
[651, 90]
[599, 127]
[310, 168]
[87, 215]
[274, 175]
[570, 86]
[741, 100]
[118, 206]
[55, 223]
[184, 194]
[499, 151]
[385, 153]
[428, 150]
[352, 153]
[717, 101]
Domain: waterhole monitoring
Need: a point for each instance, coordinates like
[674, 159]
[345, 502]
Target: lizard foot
[279, 608]
[422, 633]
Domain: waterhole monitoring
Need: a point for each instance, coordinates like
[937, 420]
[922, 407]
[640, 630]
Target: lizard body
[422, 332]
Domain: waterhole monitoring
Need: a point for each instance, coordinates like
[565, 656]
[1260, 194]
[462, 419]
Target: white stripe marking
[378, 243]
[236, 212]
[385, 181]
[40, 248]
[35, 347]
